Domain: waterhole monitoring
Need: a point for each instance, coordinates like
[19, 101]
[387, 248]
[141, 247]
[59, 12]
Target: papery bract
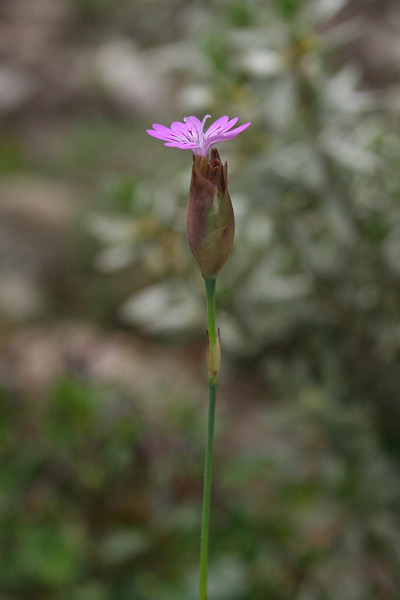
[210, 222]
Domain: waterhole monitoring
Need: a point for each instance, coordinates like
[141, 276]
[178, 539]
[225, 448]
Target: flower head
[190, 134]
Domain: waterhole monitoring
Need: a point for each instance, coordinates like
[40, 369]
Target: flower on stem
[210, 228]
[190, 134]
[210, 222]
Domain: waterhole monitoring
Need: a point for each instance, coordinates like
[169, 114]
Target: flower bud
[210, 222]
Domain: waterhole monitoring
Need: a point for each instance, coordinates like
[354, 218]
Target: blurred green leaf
[48, 555]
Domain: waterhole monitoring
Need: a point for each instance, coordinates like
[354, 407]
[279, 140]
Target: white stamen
[196, 136]
[202, 123]
[205, 119]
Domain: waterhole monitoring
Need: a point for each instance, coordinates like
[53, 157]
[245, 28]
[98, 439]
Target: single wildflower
[210, 223]
[190, 134]
[210, 228]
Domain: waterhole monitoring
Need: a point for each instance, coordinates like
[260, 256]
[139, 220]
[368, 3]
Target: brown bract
[210, 222]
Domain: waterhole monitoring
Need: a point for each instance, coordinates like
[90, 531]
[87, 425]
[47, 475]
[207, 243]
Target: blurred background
[102, 316]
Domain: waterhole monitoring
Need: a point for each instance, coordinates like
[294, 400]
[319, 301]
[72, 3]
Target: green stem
[210, 295]
[212, 394]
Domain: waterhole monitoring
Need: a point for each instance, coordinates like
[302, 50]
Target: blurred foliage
[99, 500]
[313, 285]
[100, 488]
[311, 290]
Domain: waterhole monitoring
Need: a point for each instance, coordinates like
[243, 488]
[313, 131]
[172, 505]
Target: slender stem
[212, 394]
[205, 524]
[210, 295]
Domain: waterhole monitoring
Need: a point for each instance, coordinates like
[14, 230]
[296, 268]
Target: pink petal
[160, 134]
[221, 137]
[227, 135]
[159, 127]
[181, 145]
[178, 127]
[240, 128]
[218, 124]
[231, 123]
[191, 130]
[195, 121]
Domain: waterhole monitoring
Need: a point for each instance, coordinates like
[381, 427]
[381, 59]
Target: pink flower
[189, 135]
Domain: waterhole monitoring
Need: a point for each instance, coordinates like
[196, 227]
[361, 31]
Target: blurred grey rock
[125, 74]
[20, 296]
[16, 88]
